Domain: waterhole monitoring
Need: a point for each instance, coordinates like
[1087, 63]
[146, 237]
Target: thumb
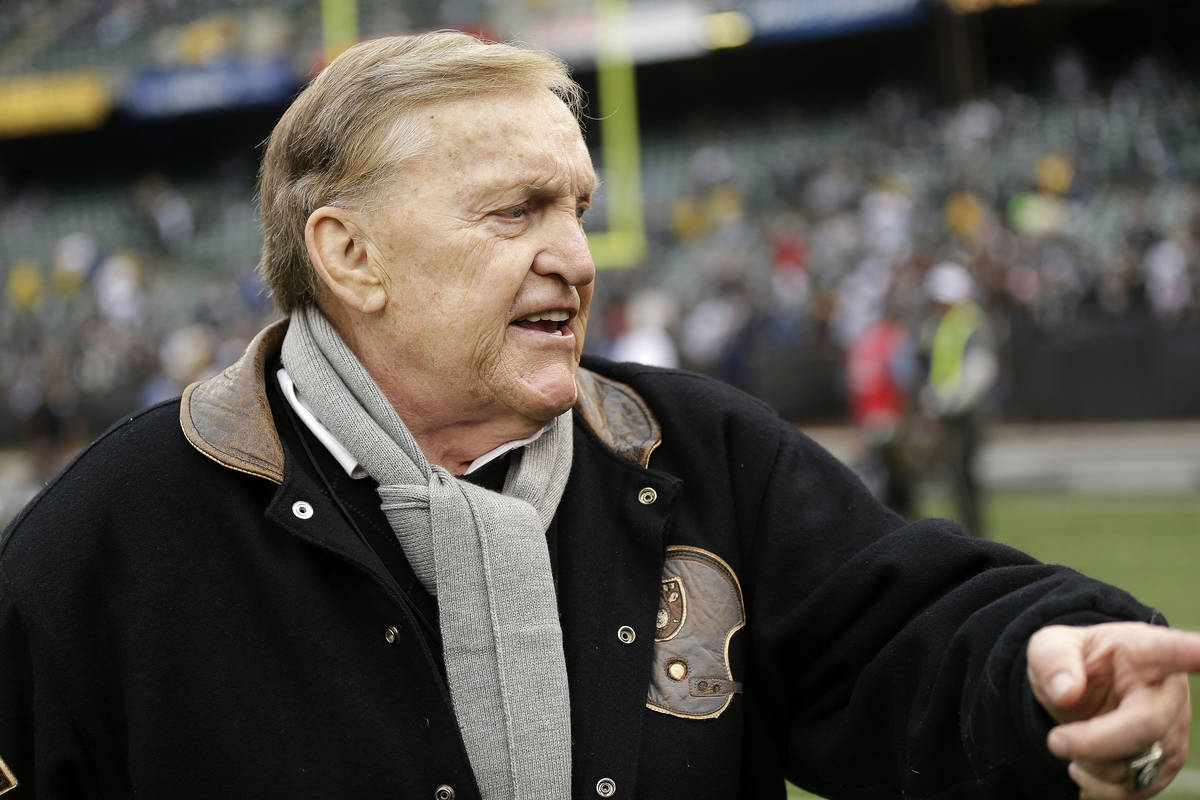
[1054, 659]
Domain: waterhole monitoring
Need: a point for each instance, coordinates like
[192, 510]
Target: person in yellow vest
[962, 371]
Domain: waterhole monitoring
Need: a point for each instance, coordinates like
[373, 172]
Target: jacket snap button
[647, 496]
[626, 634]
[391, 635]
[606, 787]
[444, 792]
[302, 509]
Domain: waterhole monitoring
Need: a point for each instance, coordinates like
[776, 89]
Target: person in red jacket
[881, 371]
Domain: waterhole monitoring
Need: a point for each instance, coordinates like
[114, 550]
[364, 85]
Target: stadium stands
[775, 235]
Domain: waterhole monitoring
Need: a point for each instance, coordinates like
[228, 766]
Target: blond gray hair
[353, 128]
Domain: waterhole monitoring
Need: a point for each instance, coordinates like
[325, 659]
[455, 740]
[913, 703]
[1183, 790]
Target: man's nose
[565, 252]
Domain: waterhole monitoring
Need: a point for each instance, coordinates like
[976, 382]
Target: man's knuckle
[1145, 728]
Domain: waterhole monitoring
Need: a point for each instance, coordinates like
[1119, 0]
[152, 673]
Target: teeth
[553, 316]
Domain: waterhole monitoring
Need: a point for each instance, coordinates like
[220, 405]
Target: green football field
[1147, 545]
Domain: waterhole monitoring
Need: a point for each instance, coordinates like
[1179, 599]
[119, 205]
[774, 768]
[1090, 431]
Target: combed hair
[353, 127]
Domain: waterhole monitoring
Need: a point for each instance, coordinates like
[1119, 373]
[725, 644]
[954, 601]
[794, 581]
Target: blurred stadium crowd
[1074, 210]
[773, 244]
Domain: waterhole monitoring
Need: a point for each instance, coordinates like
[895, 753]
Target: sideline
[1186, 786]
[1080, 458]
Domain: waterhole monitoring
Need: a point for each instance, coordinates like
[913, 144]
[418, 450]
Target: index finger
[1161, 650]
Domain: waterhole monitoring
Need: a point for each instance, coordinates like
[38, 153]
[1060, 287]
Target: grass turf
[1149, 546]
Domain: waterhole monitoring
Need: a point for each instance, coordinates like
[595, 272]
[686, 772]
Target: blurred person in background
[962, 371]
[643, 335]
[882, 373]
[409, 546]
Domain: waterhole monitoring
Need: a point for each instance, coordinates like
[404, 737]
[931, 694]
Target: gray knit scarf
[483, 554]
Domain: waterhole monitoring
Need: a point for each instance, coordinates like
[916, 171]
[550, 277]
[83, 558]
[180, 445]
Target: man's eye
[516, 212]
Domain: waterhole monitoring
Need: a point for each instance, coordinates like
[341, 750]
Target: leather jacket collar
[228, 417]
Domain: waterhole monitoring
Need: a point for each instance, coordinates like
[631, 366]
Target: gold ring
[1144, 768]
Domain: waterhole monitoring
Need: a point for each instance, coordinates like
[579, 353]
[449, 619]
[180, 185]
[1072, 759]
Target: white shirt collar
[348, 462]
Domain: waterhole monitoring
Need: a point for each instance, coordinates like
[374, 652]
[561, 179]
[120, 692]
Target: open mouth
[551, 322]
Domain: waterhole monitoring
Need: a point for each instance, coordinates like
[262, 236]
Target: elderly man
[408, 547]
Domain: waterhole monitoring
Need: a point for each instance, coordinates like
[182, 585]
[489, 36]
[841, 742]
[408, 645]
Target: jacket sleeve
[889, 657]
[38, 742]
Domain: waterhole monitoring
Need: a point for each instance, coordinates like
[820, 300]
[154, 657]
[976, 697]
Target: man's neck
[349, 463]
[453, 437]
[457, 447]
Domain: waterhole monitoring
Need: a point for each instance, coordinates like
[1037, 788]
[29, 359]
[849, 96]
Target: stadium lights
[972, 6]
[726, 29]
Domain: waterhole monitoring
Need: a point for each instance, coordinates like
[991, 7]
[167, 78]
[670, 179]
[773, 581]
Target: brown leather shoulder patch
[700, 610]
[618, 415]
[228, 417]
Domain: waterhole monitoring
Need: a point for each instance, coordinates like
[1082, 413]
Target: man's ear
[339, 255]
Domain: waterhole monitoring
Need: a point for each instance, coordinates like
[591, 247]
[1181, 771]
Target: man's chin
[545, 400]
[548, 409]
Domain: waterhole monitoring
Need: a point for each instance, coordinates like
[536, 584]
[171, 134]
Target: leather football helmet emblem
[699, 611]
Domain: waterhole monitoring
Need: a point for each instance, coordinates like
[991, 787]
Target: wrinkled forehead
[504, 138]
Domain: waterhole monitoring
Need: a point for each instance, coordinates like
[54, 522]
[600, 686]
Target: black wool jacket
[204, 605]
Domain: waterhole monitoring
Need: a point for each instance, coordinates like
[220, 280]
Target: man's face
[490, 273]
